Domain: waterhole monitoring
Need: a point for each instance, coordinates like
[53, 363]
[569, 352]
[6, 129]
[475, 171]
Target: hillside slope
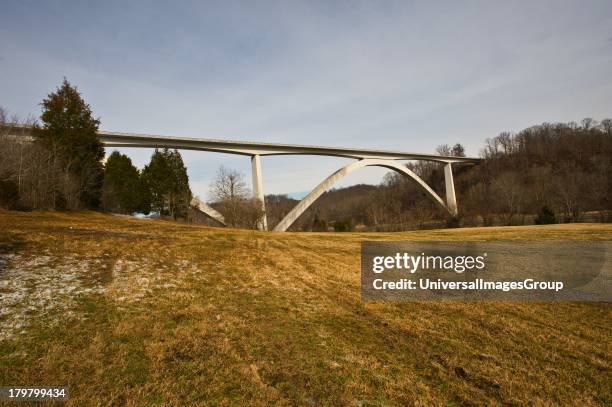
[133, 312]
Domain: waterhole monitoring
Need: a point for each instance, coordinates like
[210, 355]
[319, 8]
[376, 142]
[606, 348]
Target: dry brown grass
[181, 315]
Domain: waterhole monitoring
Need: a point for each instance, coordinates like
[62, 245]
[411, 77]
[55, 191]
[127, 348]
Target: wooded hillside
[563, 169]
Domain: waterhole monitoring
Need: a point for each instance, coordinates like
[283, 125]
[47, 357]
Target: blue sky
[389, 75]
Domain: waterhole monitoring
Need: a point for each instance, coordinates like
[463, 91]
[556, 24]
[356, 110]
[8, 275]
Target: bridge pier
[258, 188]
[451, 199]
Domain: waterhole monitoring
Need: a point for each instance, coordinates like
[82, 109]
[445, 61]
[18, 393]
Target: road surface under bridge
[254, 150]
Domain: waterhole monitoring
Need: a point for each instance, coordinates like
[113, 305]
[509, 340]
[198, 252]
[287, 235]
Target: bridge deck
[115, 139]
[249, 148]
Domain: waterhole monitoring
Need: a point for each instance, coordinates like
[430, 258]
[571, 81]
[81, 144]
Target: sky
[393, 75]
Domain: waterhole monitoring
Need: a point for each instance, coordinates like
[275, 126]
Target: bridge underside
[386, 159]
[379, 158]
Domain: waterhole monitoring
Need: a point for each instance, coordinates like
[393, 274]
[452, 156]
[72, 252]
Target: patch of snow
[39, 285]
[48, 286]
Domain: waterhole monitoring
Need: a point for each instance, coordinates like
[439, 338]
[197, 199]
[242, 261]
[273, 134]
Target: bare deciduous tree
[511, 194]
[30, 175]
[229, 185]
[606, 124]
[233, 199]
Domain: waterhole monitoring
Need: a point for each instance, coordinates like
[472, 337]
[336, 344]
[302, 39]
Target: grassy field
[136, 312]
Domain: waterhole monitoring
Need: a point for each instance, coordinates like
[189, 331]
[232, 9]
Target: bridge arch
[309, 199]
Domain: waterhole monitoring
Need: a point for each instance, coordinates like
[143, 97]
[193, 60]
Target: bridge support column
[451, 199]
[208, 210]
[258, 188]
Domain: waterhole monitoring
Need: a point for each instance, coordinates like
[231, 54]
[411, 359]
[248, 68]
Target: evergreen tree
[179, 194]
[9, 194]
[168, 184]
[545, 217]
[123, 189]
[458, 150]
[69, 132]
[156, 176]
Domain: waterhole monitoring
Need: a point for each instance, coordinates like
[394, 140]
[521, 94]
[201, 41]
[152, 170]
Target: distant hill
[561, 170]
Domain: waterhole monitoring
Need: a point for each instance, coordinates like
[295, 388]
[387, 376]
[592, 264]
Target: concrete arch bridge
[363, 158]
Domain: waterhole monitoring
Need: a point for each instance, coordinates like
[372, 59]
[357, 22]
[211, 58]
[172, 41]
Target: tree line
[553, 172]
[62, 168]
[549, 173]
[560, 168]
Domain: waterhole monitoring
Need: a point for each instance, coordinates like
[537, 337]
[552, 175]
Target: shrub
[9, 194]
[545, 217]
[345, 225]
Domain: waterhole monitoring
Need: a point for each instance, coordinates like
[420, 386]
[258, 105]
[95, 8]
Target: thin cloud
[403, 76]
